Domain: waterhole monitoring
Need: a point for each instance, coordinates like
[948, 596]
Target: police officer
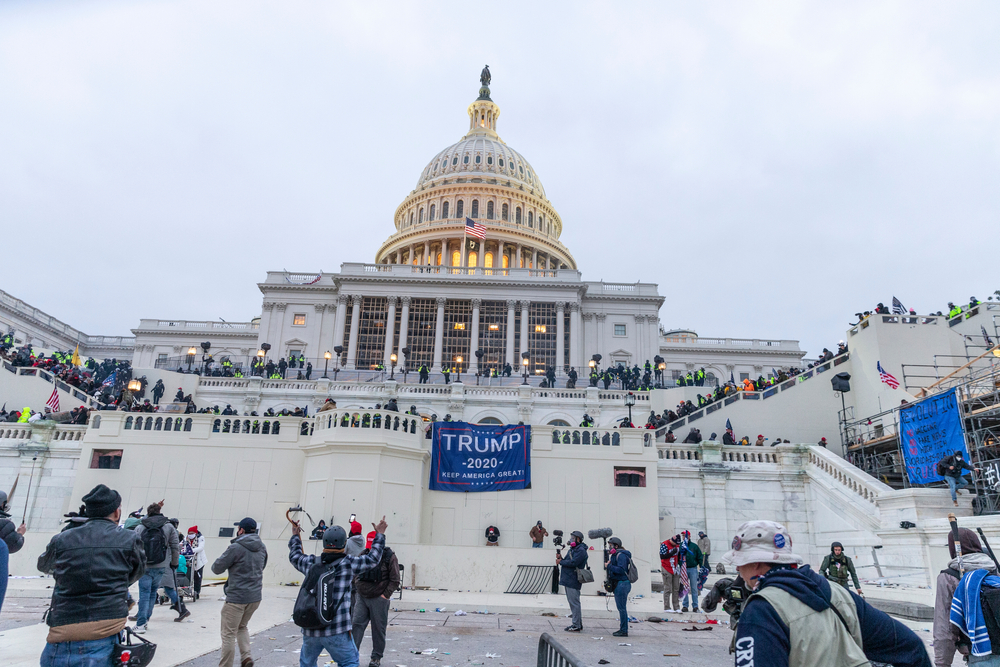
[424, 374]
[699, 377]
[838, 567]
[795, 618]
[446, 372]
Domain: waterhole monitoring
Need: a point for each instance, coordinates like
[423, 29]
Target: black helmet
[616, 542]
[334, 537]
[835, 545]
[578, 535]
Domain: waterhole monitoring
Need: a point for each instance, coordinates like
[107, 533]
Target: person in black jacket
[93, 566]
[11, 541]
[575, 560]
[952, 467]
[617, 566]
[158, 390]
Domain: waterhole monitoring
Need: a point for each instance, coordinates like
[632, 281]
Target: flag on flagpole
[53, 401]
[897, 307]
[986, 337]
[731, 378]
[886, 377]
[473, 228]
[76, 356]
[729, 426]
[110, 380]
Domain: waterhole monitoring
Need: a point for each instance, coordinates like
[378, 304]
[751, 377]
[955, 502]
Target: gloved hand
[173, 565]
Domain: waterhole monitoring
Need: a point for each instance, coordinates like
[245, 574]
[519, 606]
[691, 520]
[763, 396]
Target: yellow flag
[76, 356]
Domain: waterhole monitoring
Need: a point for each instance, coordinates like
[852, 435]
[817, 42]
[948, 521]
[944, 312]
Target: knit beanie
[101, 501]
[970, 542]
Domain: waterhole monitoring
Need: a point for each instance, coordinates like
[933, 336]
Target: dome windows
[520, 169]
[420, 216]
[460, 209]
[454, 161]
[431, 217]
[479, 158]
[411, 218]
[444, 210]
[500, 162]
[503, 209]
[465, 160]
[475, 208]
[517, 215]
[489, 160]
[529, 217]
[489, 210]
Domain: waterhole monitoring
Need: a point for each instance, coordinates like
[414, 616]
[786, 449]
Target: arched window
[454, 161]
[444, 163]
[500, 162]
[506, 262]
[503, 212]
[439, 259]
[431, 217]
[444, 210]
[475, 208]
[420, 216]
[488, 260]
[558, 422]
[489, 160]
[473, 258]
[490, 420]
[529, 217]
[479, 158]
[456, 258]
[460, 209]
[489, 210]
[517, 215]
[411, 217]
[465, 160]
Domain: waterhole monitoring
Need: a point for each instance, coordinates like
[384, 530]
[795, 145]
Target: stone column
[266, 317]
[409, 260]
[439, 335]
[474, 341]
[599, 339]
[352, 344]
[404, 328]
[588, 342]
[574, 339]
[481, 257]
[640, 334]
[525, 305]
[464, 256]
[498, 260]
[427, 253]
[511, 303]
[560, 336]
[390, 331]
[534, 258]
[317, 338]
[446, 252]
[340, 321]
[517, 265]
[279, 334]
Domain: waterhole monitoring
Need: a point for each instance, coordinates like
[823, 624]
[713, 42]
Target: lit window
[299, 320]
[539, 328]
[620, 330]
[460, 326]
[494, 327]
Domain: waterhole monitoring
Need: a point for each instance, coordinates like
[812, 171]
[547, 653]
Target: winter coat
[245, 558]
[763, 638]
[389, 575]
[575, 559]
[618, 565]
[355, 545]
[160, 522]
[694, 556]
[198, 547]
[959, 466]
[946, 635]
[538, 534]
[705, 545]
[93, 566]
[9, 534]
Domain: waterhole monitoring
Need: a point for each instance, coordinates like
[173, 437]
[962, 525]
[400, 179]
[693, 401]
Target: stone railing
[188, 325]
[42, 374]
[679, 452]
[200, 425]
[10, 431]
[850, 478]
[69, 432]
[45, 431]
[569, 435]
[373, 419]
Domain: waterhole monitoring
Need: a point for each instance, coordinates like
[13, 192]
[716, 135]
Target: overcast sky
[775, 167]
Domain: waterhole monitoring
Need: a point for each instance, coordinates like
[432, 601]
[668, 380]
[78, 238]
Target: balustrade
[374, 419]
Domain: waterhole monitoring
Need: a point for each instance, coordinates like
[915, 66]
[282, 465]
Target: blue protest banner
[480, 457]
[931, 430]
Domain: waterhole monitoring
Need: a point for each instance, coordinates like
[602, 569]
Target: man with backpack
[951, 467]
[375, 588]
[621, 573]
[946, 635]
[162, 546]
[322, 608]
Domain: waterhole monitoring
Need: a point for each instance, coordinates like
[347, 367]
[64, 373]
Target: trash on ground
[694, 629]
[492, 655]
[624, 644]
[441, 609]
[460, 613]
[602, 661]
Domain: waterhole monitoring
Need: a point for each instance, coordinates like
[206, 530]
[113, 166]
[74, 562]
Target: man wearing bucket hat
[795, 618]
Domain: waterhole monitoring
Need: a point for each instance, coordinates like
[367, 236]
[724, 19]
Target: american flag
[475, 229]
[53, 401]
[887, 377]
[897, 307]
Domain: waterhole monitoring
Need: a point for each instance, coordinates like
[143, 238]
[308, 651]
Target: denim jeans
[340, 647]
[4, 564]
[692, 591]
[536, 545]
[148, 585]
[622, 589]
[92, 653]
[955, 483]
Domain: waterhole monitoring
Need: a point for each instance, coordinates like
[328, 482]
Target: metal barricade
[553, 654]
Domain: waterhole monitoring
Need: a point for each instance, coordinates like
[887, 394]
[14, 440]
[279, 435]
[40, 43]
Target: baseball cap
[247, 524]
[761, 542]
[355, 528]
[369, 538]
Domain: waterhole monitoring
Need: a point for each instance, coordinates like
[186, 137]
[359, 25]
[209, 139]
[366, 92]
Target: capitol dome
[483, 180]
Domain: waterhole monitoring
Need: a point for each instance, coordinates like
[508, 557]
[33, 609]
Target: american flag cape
[886, 377]
[473, 228]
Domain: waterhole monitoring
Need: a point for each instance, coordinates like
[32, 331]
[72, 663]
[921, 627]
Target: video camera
[732, 593]
[602, 534]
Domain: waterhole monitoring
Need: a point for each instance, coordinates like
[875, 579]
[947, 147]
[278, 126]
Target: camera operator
[617, 567]
[575, 560]
[795, 618]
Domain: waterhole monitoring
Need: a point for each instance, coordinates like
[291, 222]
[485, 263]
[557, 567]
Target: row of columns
[519, 254]
[404, 302]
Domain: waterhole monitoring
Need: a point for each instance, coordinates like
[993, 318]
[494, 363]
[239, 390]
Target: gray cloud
[774, 167]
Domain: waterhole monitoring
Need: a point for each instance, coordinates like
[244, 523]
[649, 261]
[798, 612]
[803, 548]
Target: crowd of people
[104, 380]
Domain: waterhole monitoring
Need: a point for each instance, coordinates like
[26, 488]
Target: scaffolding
[873, 444]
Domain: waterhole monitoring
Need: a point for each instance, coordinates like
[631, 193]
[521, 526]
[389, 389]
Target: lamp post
[191, 353]
[662, 368]
[458, 369]
[133, 387]
[260, 362]
[326, 364]
[392, 366]
[339, 350]
[406, 362]
[629, 402]
[524, 366]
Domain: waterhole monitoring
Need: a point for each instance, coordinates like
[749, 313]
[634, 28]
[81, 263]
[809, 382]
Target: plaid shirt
[347, 568]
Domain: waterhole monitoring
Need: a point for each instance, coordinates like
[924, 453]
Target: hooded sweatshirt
[946, 635]
[763, 639]
[160, 522]
[355, 545]
[245, 559]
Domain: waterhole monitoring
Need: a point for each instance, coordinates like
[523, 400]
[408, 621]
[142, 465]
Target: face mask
[191, 536]
[572, 544]
[613, 550]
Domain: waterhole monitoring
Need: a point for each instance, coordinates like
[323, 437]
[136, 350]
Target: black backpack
[374, 575]
[154, 543]
[316, 607]
[942, 466]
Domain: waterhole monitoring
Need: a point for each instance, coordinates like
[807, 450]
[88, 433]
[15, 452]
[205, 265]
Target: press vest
[818, 637]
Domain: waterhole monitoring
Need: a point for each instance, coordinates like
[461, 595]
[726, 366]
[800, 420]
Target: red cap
[355, 528]
[760, 436]
[193, 529]
[370, 538]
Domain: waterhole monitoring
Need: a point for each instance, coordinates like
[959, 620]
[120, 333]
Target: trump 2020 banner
[931, 430]
[480, 457]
